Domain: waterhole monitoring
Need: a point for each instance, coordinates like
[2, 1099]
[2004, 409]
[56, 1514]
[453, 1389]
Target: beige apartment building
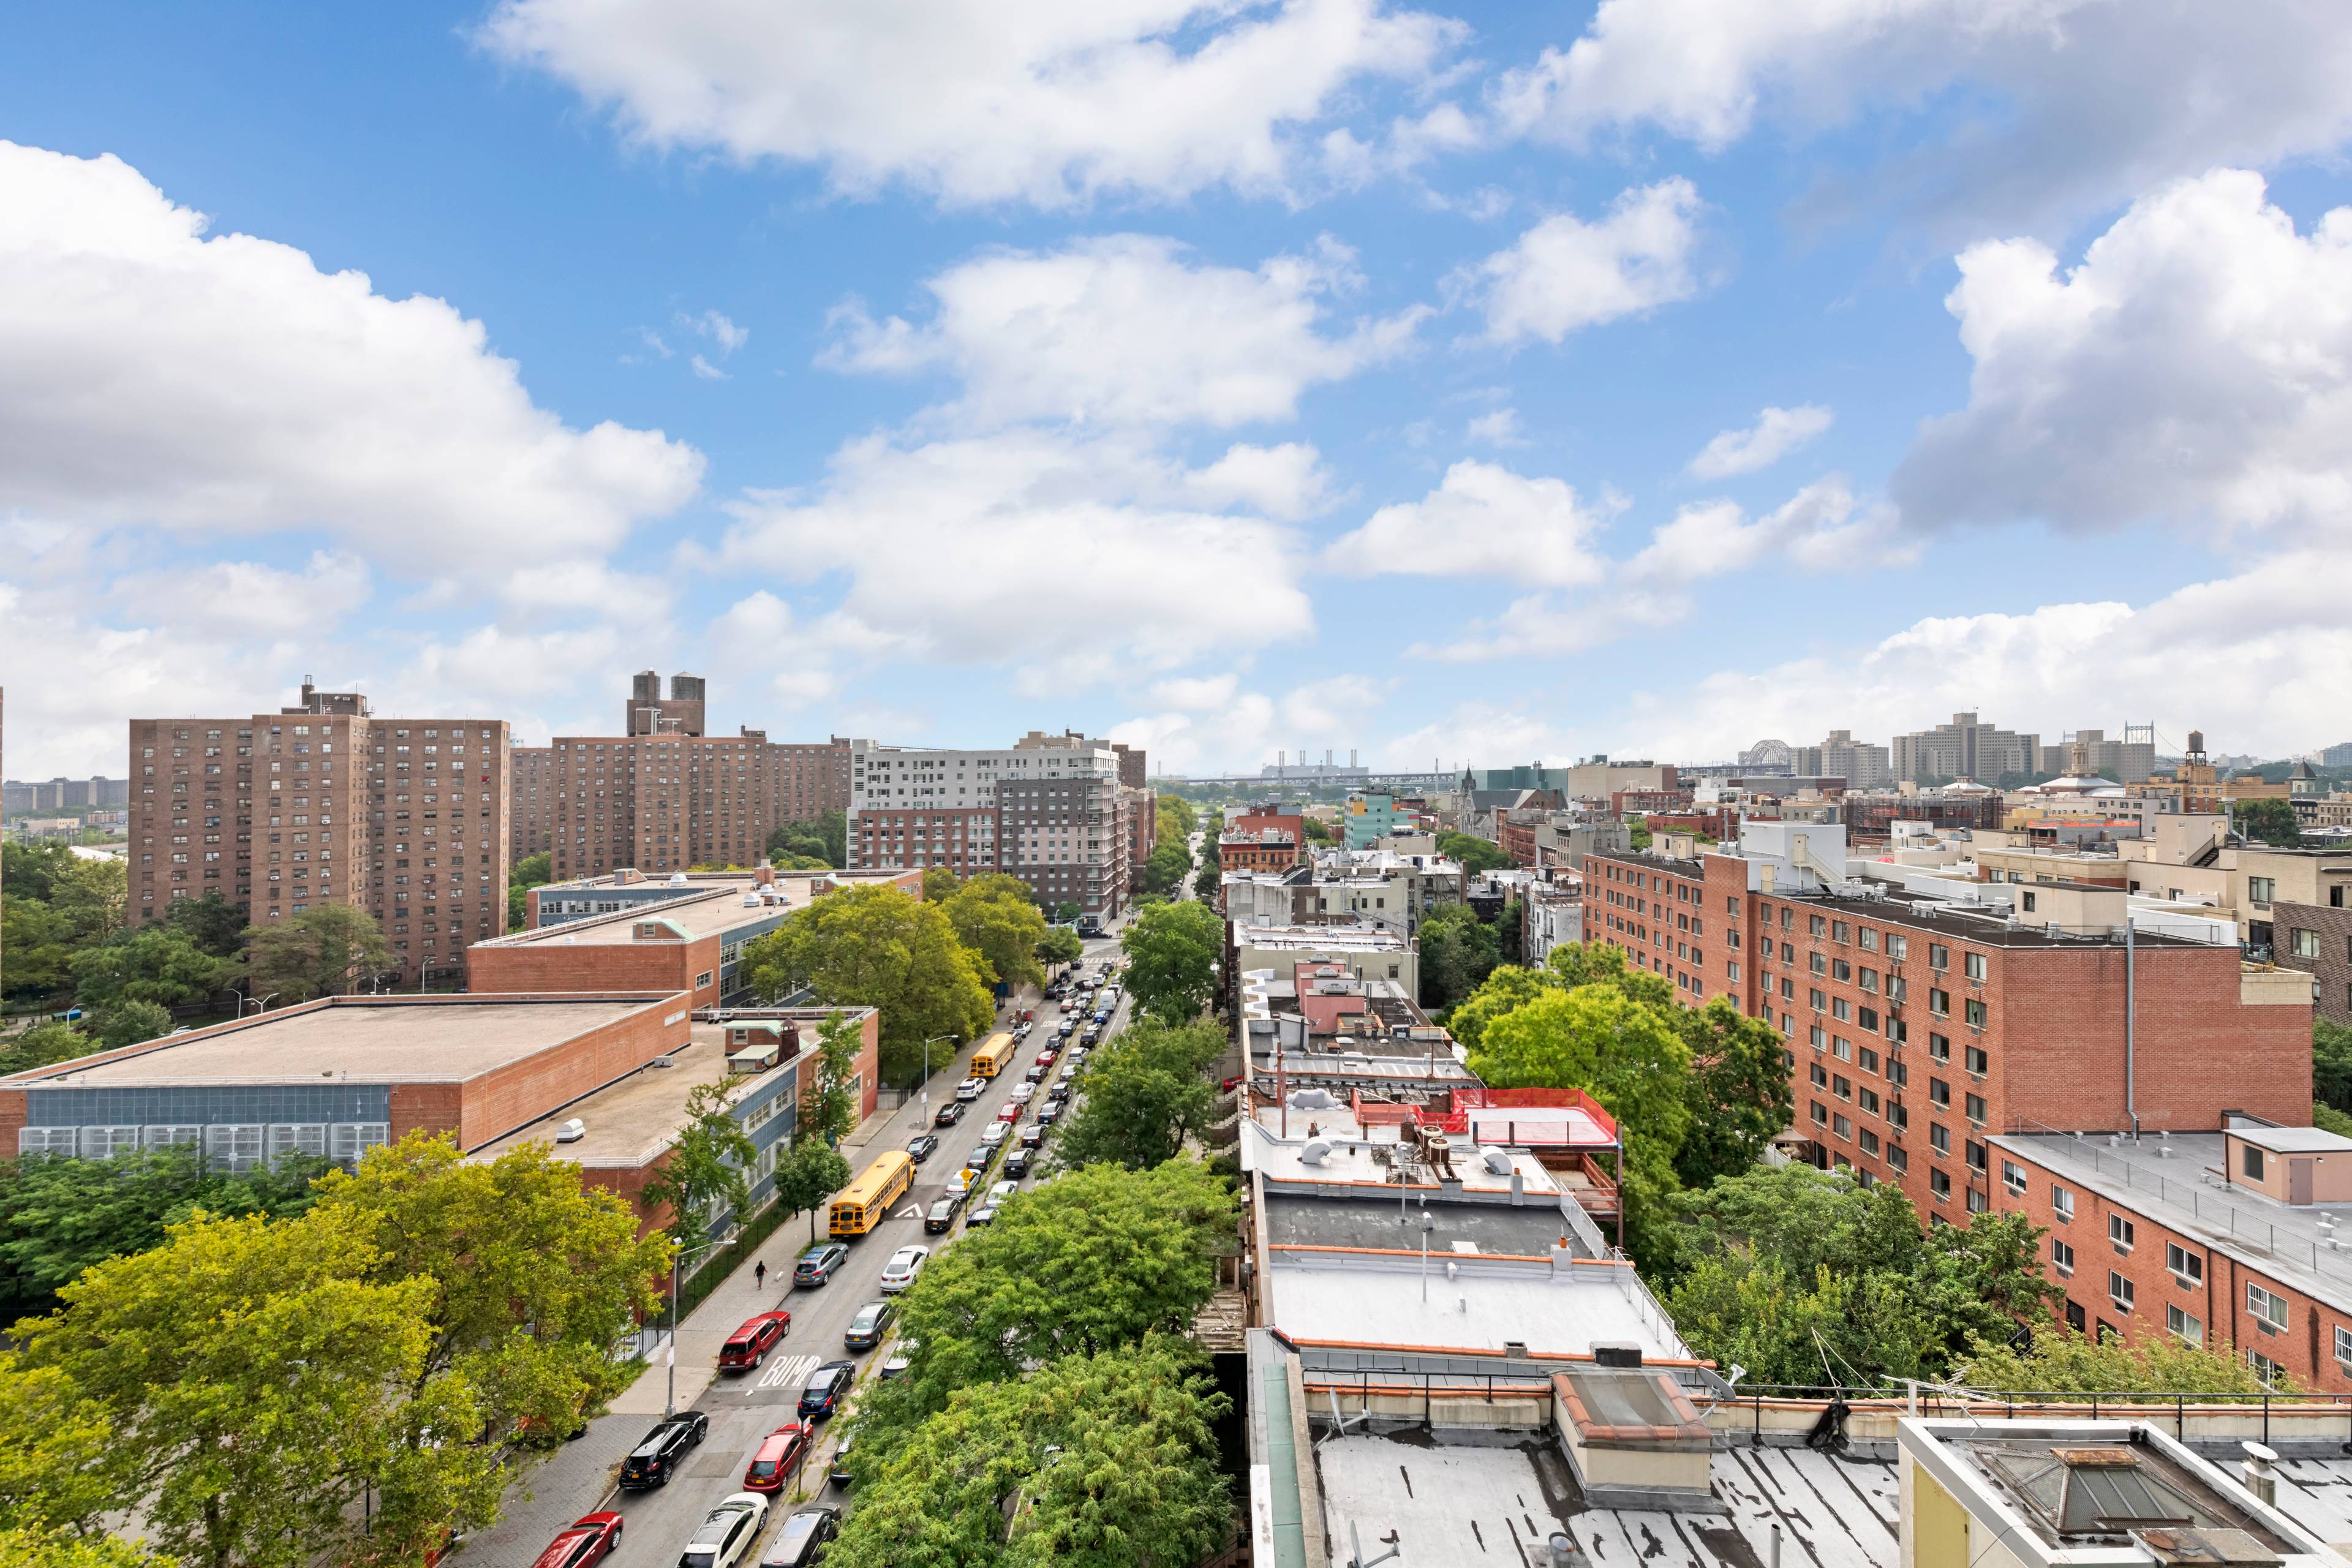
[325, 803]
[665, 796]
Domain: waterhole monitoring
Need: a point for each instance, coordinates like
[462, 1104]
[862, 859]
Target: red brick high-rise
[324, 803]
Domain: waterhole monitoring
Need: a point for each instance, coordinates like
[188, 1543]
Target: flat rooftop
[1364, 1156]
[1374, 1300]
[2184, 1190]
[359, 1039]
[1294, 1219]
[714, 912]
[1462, 1504]
[1310, 940]
[631, 1121]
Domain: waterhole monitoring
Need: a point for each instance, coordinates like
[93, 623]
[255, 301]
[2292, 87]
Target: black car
[802, 1538]
[820, 1263]
[920, 1146]
[1036, 1074]
[1058, 1094]
[839, 1473]
[942, 1215]
[949, 1114]
[873, 1322]
[1049, 1112]
[826, 1387]
[1016, 1164]
[652, 1462]
[1033, 1138]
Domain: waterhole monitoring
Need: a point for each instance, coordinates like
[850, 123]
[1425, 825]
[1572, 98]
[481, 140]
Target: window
[1976, 1155]
[1939, 1138]
[1974, 965]
[1897, 1156]
[2012, 1176]
[2252, 1163]
[2119, 1291]
[1939, 1092]
[1842, 1127]
[1974, 1059]
[1820, 1114]
[2261, 890]
[1821, 1076]
[2269, 1371]
[1940, 1184]
[2269, 1311]
[2119, 1233]
[1939, 956]
[1939, 1047]
[2344, 1344]
[2182, 1326]
[1841, 1086]
[2062, 1255]
[1973, 1013]
[2187, 1267]
[1939, 1002]
[2304, 943]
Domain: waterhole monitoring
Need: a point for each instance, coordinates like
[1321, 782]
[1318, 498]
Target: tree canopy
[876, 946]
[1060, 944]
[318, 953]
[1140, 1093]
[702, 1176]
[1458, 951]
[1474, 853]
[1173, 952]
[2266, 821]
[996, 916]
[2063, 1359]
[53, 905]
[530, 871]
[824, 841]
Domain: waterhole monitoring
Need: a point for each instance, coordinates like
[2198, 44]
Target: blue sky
[1475, 384]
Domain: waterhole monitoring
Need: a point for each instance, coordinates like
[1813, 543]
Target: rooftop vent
[572, 1131]
[1496, 1161]
[1317, 1151]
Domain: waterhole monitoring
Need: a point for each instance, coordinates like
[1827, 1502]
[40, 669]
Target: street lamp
[669, 1401]
[925, 1119]
[260, 1006]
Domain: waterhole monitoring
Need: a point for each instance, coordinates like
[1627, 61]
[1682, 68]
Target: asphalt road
[744, 1409]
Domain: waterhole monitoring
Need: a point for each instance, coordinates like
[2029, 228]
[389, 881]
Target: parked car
[838, 1472]
[1028, 1014]
[1033, 1137]
[1049, 1113]
[1036, 1073]
[778, 1459]
[1069, 1026]
[921, 1146]
[822, 1393]
[590, 1539]
[904, 1265]
[1022, 1094]
[1016, 1164]
[949, 1114]
[748, 1346]
[819, 1263]
[1047, 1056]
[727, 1532]
[1002, 1191]
[896, 1365]
[972, 1089]
[1094, 1033]
[984, 1214]
[872, 1323]
[652, 1461]
[803, 1538]
[959, 1184]
[1010, 1110]
[1058, 1092]
[994, 1132]
[942, 1218]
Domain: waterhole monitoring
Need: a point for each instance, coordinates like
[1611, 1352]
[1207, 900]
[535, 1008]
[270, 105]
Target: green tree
[1060, 944]
[996, 916]
[1318, 831]
[59, 1215]
[824, 840]
[1106, 1459]
[702, 1176]
[2331, 1063]
[530, 871]
[57, 1467]
[35, 941]
[262, 1369]
[1164, 868]
[131, 1024]
[1173, 952]
[1067, 911]
[807, 1175]
[212, 922]
[1627, 1055]
[1206, 883]
[2062, 1360]
[1737, 1090]
[318, 953]
[1458, 951]
[92, 897]
[45, 1043]
[1474, 853]
[939, 885]
[538, 1274]
[1510, 932]
[875, 946]
[829, 1108]
[64, 1548]
[1637, 834]
[1141, 1094]
[1091, 1261]
[2327, 1119]
[2266, 821]
[159, 964]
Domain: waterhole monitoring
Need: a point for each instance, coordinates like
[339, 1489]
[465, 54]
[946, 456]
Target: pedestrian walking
[760, 1274]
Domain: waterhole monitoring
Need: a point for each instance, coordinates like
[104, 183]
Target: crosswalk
[785, 1371]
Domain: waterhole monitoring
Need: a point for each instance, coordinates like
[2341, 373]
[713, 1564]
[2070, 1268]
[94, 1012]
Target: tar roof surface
[362, 1041]
[633, 1120]
[1302, 1220]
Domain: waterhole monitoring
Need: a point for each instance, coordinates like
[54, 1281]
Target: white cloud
[1816, 530]
[1482, 520]
[585, 585]
[2197, 366]
[2056, 106]
[1564, 274]
[1501, 429]
[1079, 559]
[218, 597]
[726, 334]
[1128, 331]
[227, 386]
[1776, 433]
[708, 371]
[1476, 733]
[1243, 730]
[1196, 693]
[1050, 101]
[1287, 481]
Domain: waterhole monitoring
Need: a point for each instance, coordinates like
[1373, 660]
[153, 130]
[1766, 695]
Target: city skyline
[923, 403]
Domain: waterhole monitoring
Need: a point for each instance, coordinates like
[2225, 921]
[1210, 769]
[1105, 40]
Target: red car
[1028, 1014]
[778, 1459]
[591, 1539]
[748, 1346]
[1047, 1056]
[1011, 1112]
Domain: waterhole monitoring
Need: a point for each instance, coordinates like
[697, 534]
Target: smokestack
[1351, 756]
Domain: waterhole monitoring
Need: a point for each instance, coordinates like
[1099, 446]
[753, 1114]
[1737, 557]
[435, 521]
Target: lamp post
[260, 1006]
[924, 1119]
[669, 1401]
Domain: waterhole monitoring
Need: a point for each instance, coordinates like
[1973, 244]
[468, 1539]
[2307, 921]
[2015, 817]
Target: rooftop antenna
[1356, 1558]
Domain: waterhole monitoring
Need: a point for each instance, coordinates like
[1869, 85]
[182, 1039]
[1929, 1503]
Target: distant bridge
[1303, 778]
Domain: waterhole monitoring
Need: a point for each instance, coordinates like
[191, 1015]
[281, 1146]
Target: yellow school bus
[866, 1202]
[994, 1053]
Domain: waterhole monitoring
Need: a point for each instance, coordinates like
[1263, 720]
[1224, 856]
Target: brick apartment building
[664, 796]
[324, 802]
[1142, 810]
[1262, 839]
[1872, 817]
[1048, 809]
[2317, 940]
[1919, 1028]
[530, 773]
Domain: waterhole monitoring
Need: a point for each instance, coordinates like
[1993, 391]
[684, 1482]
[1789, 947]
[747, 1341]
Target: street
[744, 1409]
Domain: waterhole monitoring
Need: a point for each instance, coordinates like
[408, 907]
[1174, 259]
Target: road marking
[792, 1369]
[911, 1211]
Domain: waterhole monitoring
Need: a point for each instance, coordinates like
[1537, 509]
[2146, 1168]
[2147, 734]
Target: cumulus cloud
[219, 597]
[1565, 274]
[1128, 330]
[1822, 527]
[2196, 365]
[1240, 731]
[148, 375]
[2043, 108]
[1776, 433]
[1482, 520]
[1051, 102]
[938, 548]
[1499, 429]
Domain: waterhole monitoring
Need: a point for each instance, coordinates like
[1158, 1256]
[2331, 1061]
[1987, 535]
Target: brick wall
[499, 1101]
[552, 966]
[2331, 965]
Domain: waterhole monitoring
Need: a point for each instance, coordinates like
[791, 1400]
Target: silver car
[727, 1533]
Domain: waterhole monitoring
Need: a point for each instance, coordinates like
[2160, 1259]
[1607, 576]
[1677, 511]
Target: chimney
[1519, 1188]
